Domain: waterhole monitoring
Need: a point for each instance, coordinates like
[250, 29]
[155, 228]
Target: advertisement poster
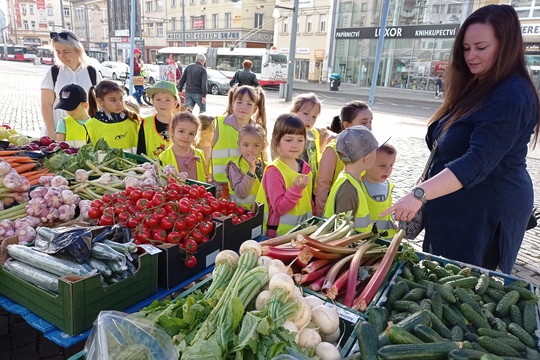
[42, 13]
[167, 72]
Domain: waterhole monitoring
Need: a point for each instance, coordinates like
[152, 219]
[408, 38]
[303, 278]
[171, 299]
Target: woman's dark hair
[99, 91]
[464, 93]
[348, 113]
[286, 124]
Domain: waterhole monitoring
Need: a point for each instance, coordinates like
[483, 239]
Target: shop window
[322, 24]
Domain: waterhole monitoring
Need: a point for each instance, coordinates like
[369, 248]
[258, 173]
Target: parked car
[113, 69]
[152, 73]
[217, 83]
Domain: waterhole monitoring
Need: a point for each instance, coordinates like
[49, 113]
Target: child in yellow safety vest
[110, 118]
[356, 147]
[154, 131]
[182, 154]
[206, 135]
[246, 105]
[378, 189]
[72, 128]
[353, 113]
[245, 173]
[286, 185]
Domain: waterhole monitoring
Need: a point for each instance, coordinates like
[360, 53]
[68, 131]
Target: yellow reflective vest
[386, 224]
[339, 164]
[76, 133]
[224, 150]
[303, 209]
[362, 219]
[250, 200]
[123, 135]
[314, 159]
[155, 142]
[167, 157]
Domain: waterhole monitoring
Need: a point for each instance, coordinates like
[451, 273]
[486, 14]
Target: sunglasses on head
[64, 35]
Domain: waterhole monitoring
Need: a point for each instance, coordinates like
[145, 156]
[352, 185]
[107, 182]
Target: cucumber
[128, 247]
[430, 265]
[452, 268]
[415, 294]
[117, 267]
[492, 333]
[491, 357]
[476, 346]
[467, 283]
[500, 325]
[419, 317]
[45, 262]
[482, 285]
[465, 354]
[521, 334]
[524, 294]
[378, 318]
[452, 318]
[465, 298]
[432, 277]
[450, 278]
[418, 272]
[520, 283]
[105, 252]
[457, 333]
[466, 345]
[425, 304]
[495, 284]
[426, 351]
[40, 278]
[475, 318]
[404, 305]
[509, 299]
[398, 335]
[439, 326]
[447, 292]
[398, 317]
[515, 315]
[411, 284]
[489, 300]
[489, 317]
[532, 354]
[406, 272]
[99, 266]
[529, 318]
[496, 294]
[396, 292]
[466, 272]
[436, 304]
[513, 343]
[427, 334]
[472, 337]
[430, 288]
[442, 272]
[496, 347]
[367, 340]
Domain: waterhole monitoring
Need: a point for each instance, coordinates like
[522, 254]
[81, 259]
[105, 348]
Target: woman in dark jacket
[245, 76]
[478, 196]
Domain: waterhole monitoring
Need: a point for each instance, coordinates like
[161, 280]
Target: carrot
[37, 176]
[25, 167]
[32, 173]
[34, 182]
[9, 152]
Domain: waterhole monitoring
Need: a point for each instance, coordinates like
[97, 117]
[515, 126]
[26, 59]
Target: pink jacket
[280, 199]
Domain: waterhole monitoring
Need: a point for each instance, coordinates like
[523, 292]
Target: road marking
[425, 107]
[409, 106]
[394, 104]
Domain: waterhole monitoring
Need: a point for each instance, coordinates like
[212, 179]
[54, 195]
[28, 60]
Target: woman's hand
[301, 181]
[404, 209]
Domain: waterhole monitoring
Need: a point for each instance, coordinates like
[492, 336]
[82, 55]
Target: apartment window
[104, 33]
[227, 20]
[173, 3]
[203, 1]
[322, 25]
[159, 29]
[66, 11]
[286, 25]
[309, 24]
[435, 9]
[50, 11]
[159, 5]
[33, 25]
[258, 24]
[149, 6]
[151, 29]
[68, 25]
[51, 25]
[25, 24]
[92, 33]
[192, 2]
[173, 23]
[23, 8]
[363, 6]
[215, 19]
[454, 9]
[31, 9]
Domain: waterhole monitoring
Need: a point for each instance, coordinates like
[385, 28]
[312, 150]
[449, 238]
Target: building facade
[91, 25]
[529, 15]
[119, 25]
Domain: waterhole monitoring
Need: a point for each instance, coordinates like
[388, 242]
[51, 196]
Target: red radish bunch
[177, 214]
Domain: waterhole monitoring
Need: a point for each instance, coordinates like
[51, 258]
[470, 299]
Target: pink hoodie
[280, 199]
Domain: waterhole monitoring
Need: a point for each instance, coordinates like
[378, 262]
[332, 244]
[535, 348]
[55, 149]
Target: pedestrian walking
[179, 72]
[194, 79]
[71, 67]
[477, 196]
[245, 76]
[439, 88]
[138, 78]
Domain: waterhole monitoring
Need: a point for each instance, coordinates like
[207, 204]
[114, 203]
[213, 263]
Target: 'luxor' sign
[405, 32]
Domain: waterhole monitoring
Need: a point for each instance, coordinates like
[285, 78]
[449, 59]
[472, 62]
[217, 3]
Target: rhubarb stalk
[353, 276]
[314, 265]
[285, 255]
[302, 278]
[283, 239]
[302, 240]
[365, 298]
[336, 287]
[316, 285]
[334, 271]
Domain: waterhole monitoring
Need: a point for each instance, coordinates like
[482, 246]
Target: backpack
[91, 72]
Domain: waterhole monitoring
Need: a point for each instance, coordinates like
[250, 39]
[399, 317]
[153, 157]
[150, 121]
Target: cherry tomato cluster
[177, 214]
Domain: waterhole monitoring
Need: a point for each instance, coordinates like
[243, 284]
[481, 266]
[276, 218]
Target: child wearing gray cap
[356, 147]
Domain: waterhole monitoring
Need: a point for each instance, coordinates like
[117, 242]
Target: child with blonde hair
[245, 173]
[286, 185]
[205, 138]
[182, 154]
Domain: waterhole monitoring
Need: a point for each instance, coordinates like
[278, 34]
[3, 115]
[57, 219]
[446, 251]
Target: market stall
[94, 233]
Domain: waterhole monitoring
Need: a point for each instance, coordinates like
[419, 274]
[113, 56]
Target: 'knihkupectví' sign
[404, 32]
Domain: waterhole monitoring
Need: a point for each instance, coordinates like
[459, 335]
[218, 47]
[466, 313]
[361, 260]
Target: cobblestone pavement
[20, 107]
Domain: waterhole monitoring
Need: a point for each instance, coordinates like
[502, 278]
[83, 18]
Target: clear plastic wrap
[119, 336]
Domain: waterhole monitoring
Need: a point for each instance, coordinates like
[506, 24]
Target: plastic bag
[119, 336]
[74, 240]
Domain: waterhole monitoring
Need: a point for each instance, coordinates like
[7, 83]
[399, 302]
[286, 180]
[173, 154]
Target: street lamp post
[183, 25]
[292, 48]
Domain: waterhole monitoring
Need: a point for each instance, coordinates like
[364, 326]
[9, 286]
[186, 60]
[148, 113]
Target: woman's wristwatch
[419, 194]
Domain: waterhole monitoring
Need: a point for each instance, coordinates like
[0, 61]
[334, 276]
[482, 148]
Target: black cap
[71, 96]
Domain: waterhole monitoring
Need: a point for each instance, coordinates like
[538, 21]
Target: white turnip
[326, 318]
[327, 351]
